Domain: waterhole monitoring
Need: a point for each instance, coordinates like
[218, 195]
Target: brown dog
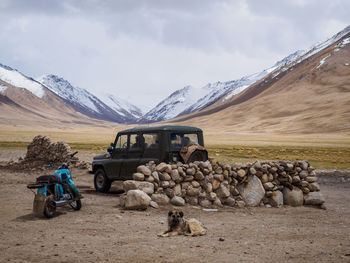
[177, 225]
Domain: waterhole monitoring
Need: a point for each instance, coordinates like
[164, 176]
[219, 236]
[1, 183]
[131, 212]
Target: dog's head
[175, 217]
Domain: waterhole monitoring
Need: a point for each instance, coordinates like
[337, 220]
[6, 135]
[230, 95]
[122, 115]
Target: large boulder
[276, 199]
[138, 176]
[252, 192]
[229, 201]
[137, 199]
[222, 192]
[144, 170]
[205, 203]
[241, 173]
[175, 176]
[293, 197]
[314, 187]
[163, 167]
[268, 186]
[178, 201]
[164, 176]
[146, 187]
[191, 191]
[314, 198]
[160, 199]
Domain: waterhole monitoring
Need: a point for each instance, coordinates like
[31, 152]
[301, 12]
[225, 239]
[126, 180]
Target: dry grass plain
[324, 151]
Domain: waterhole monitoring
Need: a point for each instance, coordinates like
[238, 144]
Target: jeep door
[116, 165]
[134, 154]
[151, 148]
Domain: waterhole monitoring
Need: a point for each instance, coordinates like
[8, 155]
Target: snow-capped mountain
[51, 91]
[190, 99]
[179, 102]
[174, 104]
[17, 79]
[75, 95]
[227, 89]
[121, 106]
[87, 103]
[307, 93]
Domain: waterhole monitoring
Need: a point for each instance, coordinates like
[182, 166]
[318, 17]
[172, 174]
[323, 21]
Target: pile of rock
[212, 184]
[42, 150]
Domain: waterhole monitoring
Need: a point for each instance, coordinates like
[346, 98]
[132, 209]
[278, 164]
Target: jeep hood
[102, 156]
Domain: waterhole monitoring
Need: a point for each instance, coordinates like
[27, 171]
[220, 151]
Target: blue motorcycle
[55, 191]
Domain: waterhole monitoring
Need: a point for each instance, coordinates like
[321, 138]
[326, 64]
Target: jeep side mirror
[110, 148]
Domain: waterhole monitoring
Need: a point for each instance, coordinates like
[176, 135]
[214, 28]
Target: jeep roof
[163, 128]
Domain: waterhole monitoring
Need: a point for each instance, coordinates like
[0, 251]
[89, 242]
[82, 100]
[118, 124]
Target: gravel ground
[103, 232]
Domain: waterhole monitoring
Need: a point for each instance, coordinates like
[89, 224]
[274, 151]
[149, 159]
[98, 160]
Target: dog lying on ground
[177, 225]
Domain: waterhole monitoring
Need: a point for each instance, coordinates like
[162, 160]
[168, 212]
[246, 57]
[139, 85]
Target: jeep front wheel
[101, 181]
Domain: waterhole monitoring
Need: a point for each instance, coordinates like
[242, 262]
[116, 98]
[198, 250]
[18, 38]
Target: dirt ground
[103, 232]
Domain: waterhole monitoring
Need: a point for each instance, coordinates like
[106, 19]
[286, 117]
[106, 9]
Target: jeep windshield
[178, 139]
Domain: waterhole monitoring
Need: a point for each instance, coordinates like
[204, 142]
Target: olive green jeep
[133, 147]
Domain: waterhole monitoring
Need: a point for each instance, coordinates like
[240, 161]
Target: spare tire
[198, 155]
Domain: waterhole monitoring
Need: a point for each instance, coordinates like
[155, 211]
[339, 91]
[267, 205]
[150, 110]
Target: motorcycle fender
[74, 188]
[39, 204]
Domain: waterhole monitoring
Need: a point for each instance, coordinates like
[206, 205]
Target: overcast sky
[143, 50]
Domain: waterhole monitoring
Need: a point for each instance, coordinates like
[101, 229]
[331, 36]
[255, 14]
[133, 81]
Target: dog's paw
[163, 234]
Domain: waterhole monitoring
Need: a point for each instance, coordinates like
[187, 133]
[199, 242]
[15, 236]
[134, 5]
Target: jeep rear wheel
[198, 155]
[101, 181]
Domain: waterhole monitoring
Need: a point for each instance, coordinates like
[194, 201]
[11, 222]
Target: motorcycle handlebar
[72, 155]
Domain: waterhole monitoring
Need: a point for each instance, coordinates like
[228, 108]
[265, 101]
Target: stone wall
[212, 184]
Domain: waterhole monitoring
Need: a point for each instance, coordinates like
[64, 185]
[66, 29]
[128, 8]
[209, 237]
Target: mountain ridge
[180, 106]
[310, 94]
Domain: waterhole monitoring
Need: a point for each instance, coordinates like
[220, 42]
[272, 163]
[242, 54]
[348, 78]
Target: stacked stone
[212, 184]
[42, 148]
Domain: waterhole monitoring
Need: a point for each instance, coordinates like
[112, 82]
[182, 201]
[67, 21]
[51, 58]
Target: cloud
[144, 50]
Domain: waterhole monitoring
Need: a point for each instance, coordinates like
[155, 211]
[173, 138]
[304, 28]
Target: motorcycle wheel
[49, 207]
[76, 205]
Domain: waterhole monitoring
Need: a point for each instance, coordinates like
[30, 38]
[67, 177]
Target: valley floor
[102, 232]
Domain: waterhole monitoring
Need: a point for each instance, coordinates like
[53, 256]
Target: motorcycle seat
[49, 179]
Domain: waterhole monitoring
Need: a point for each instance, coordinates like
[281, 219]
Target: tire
[76, 205]
[49, 206]
[101, 182]
[198, 155]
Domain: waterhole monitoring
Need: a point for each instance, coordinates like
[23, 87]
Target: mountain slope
[25, 101]
[83, 101]
[173, 105]
[17, 79]
[21, 107]
[308, 94]
[121, 106]
[189, 99]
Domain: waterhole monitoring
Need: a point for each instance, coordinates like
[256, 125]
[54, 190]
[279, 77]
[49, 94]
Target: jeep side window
[190, 138]
[177, 140]
[122, 142]
[151, 140]
[136, 141]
